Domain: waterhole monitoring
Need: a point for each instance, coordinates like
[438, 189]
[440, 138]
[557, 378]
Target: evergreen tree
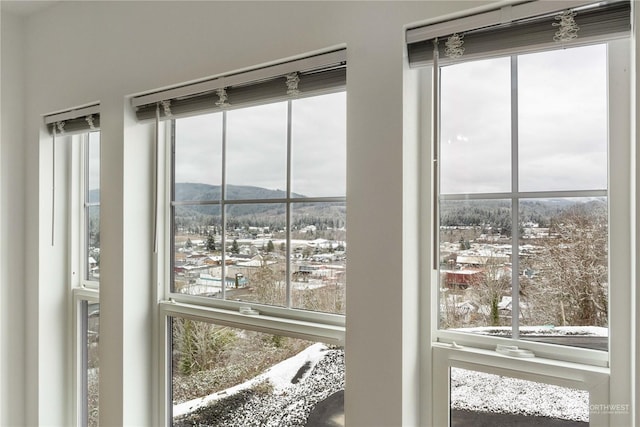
[211, 244]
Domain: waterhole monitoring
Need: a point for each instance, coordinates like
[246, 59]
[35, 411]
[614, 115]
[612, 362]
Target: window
[477, 397]
[90, 362]
[523, 196]
[86, 160]
[92, 207]
[76, 147]
[227, 376]
[88, 301]
[252, 237]
[259, 204]
[528, 199]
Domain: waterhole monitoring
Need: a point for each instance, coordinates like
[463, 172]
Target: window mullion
[172, 208]
[84, 363]
[223, 216]
[85, 194]
[287, 279]
[436, 151]
[515, 204]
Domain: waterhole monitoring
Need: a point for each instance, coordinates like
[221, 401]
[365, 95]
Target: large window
[528, 176]
[523, 201]
[258, 217]
[258, 204]
[75, 231]
[252, 241]
[88, 304]
[76, 167]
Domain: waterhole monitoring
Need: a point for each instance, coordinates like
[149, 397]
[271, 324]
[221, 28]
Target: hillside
[329, 214]
[498, 212]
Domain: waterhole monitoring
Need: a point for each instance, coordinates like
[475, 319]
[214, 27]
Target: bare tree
[492, 285]
[571, 285]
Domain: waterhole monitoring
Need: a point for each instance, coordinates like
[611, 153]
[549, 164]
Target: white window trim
[594, 370]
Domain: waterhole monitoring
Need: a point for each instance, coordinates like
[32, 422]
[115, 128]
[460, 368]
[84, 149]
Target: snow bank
[550, 330]
[279, 375]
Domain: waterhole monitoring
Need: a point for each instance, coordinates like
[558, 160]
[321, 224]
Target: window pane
[224, 376]
[197, 242]
[198, 158]
[475, 133]
[92, 208]
[481, 399]
[255, 233]
[91, 339]
[318, 254]
[93, 241]
[254, 143]
[475, 264]
[94, 167]
[562, 98]
[564, 272]
[257, 152]
[319, 143]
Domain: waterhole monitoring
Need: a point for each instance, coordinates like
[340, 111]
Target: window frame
[286, 321]
[616, 157]
[82, 290]
[284, 312]
[587, 369]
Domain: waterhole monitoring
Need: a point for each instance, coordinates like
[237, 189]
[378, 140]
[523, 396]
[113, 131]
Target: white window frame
[82, 289]
[296, 323]
[604, 374]
[79, 209]
[281, 312]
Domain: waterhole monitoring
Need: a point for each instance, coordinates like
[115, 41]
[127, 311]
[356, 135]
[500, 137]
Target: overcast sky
[562, 126]
[562, 132]
[94, 160]
[257, 147]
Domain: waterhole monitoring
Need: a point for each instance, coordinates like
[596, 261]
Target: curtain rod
[301, 65]
[72, 114]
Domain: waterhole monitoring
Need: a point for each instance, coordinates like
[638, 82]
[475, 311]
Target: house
[462, 279]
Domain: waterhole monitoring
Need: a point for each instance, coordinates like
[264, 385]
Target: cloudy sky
[94, 160]
[257, 147]
[562, 122]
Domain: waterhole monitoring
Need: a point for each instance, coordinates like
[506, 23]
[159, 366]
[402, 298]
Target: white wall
[12, 261]
[81, 52]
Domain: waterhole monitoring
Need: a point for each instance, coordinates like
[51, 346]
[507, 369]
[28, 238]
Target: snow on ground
[279, 376]
[297, 389]
[323, 374]
[482, 392]
[551, 330]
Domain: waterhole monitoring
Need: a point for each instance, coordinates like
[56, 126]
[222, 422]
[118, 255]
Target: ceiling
[25, 7]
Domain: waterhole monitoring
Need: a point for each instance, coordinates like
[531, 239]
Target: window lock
[249, 311]
[514, 351]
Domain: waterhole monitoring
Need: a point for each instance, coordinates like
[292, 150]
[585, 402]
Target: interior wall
[12, 261]
[81, 52]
